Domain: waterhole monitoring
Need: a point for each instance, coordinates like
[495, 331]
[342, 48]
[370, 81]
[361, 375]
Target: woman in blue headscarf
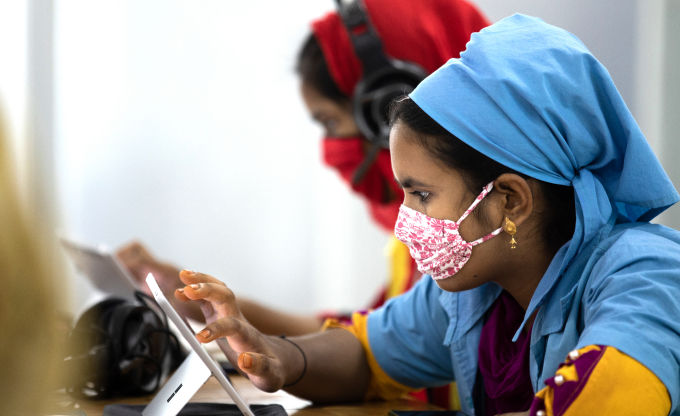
[555, 297]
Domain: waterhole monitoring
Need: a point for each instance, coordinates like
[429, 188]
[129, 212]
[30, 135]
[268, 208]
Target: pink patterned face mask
[436, 245]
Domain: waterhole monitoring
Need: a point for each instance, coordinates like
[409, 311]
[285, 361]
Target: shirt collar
[545, 286]
[466, 308]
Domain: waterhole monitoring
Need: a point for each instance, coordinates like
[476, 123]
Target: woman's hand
[139, 262]
[258, 356]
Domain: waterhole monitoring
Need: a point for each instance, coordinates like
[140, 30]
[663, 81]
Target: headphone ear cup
[119, 348]
[134, 369]
[146, 342]
[88, 353]
[374, 93]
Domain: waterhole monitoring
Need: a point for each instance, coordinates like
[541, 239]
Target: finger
[220, 295]
[190, 277]
[260, 366]
[206, 307]
[224, 327]
[231, 355]
[179, 295]
[211, 292]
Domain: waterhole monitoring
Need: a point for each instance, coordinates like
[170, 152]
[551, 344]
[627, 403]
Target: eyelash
[423, 195]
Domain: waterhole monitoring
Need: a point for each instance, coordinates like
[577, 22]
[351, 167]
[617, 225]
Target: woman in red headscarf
[427, 33]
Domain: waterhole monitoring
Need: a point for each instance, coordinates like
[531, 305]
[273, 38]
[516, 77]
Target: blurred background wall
[179, 124]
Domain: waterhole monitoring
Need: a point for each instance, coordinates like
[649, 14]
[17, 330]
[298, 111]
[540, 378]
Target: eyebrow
[411, 183]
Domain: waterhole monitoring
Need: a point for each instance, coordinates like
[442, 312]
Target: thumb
[262, 371]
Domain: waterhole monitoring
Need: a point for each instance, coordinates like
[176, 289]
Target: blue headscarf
[533, 98]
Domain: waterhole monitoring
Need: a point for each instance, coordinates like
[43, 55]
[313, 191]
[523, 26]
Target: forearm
[274, 322]
[329, 366]
[337, 368]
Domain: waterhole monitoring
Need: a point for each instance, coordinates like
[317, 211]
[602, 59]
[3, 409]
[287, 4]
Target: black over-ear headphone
[383, 80]
[120, 348]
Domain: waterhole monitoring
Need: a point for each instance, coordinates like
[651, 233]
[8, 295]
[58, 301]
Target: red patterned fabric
[436, 244]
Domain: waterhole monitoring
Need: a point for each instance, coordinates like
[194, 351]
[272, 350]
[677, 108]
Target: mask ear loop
[486, 237]
[479, 198]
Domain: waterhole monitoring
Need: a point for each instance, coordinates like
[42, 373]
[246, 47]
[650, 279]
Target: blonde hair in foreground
[28, 336]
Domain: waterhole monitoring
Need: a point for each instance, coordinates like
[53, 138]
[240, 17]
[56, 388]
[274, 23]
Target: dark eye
[423, 195]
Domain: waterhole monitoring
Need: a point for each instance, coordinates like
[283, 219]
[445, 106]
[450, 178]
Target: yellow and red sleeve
[381, 385]
[598, 380]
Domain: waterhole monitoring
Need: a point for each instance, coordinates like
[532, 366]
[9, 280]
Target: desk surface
[213, 392]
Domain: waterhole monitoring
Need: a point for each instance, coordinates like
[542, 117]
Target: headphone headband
[367, 45]
[383, 80]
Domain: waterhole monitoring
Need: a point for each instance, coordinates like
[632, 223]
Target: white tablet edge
[68, 242]
[188, 334]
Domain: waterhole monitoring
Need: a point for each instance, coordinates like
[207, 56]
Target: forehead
[410, 160]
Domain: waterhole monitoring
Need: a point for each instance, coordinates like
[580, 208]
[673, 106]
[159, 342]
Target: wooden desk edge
[212, 392]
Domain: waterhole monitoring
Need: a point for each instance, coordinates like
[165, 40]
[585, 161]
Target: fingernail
[205, 333]
[180, 290]
[196, 286]
[247, 361]
[189, 271]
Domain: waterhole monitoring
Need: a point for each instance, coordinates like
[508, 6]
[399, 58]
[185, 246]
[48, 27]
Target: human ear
[517, 198]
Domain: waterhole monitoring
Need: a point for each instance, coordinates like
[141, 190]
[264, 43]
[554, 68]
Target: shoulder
[643, 258]
[631, 299]
[644, 247]
[640, 237]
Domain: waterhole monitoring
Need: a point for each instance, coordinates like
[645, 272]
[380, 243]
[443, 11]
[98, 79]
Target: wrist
[295, 361]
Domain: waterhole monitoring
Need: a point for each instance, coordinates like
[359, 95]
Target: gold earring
[511, 229]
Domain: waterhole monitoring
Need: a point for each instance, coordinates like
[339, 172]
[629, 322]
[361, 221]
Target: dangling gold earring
[511, 229]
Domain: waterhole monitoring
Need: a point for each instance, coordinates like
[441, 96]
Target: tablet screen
[166, 303]
[101, 268]
[171, 300]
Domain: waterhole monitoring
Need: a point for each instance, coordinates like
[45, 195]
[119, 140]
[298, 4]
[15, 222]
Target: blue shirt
[621, 290]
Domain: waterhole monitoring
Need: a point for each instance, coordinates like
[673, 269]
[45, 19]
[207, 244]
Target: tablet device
[102, 268]
[190, 336]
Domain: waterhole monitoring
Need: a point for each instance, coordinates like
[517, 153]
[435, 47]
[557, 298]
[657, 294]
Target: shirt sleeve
[632, 303]
[406, 337]
[599, 380]
[380, 385]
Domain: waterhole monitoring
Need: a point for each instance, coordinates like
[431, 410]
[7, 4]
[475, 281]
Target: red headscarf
[426, 32]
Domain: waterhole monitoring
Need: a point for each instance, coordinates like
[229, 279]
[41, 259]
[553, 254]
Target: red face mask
[345, 154]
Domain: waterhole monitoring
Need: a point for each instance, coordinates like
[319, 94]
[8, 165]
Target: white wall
[179, 123]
